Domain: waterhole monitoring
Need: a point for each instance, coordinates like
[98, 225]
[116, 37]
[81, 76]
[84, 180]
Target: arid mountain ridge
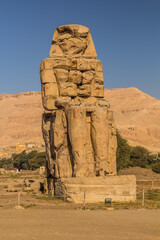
[137, 117]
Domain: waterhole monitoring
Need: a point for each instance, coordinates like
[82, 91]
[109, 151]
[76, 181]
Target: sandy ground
[67, 224]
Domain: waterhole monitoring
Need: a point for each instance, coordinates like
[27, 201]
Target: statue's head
[72, 40]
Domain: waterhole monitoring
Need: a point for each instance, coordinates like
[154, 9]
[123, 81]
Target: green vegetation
[25, 161]
[123, 153]
[156, 167]
[128, 156]
[28, 206]
[48, 198]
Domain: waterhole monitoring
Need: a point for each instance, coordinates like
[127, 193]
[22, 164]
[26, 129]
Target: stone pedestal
[96, 189]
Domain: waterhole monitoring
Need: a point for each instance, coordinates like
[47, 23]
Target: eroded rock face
[78, 127]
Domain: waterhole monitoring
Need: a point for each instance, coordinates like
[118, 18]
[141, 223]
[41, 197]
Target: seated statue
[78, 127]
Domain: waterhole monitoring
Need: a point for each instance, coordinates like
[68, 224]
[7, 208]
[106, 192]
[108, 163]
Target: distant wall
[147, 184]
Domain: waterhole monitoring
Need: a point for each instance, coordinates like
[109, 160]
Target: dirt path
[56, 224]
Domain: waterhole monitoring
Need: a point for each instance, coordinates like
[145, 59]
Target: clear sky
[126, 34]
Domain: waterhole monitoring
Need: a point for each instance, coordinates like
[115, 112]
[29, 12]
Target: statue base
[96, 189]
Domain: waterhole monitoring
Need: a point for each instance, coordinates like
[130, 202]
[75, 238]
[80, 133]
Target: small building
[20, 147]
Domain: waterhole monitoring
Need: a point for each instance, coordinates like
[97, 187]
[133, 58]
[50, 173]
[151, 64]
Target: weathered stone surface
[97, 90]
[98, 66]
[87, 77]
[76, 119]
[81, 142]
[72, 40]
[98, 78]
[79, 131]
[75, 76]
[83, 64]
[84, 90]
[55, 50]
[61, 75]
[49, 103]
[58, 63]
[48, 76]
[100, 140]
[51, 89]
[47, 120]
[118, 188]
[112, 143]
[68, 89]
[63, 165]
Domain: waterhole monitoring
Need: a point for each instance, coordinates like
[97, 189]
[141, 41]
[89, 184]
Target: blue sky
[126, 34]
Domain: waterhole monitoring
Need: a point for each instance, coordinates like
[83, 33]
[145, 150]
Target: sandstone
[51, 89]
[49, 103]
[87, 77]
[78, 134]
[50, 63]
[99, 66]
[72, 40]
[68, 89]
[73, 46]
[75, 76]
[83, 64]
[97, 90]
[61, 75]
[55, 50]
[98, 78]
[100, 138]
[48, 76]
[84, 90]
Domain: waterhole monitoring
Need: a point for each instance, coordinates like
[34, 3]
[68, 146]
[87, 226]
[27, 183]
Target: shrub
[156, 167]
[123, 153]
[32, 160]
[140, 157]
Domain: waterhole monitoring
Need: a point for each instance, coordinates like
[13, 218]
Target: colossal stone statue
[78, 127]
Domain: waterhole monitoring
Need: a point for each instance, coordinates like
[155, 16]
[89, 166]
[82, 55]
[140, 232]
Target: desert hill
[20, 119]
[137, 116]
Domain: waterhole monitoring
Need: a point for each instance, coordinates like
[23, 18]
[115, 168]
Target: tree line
[24, 161]
[138, 156]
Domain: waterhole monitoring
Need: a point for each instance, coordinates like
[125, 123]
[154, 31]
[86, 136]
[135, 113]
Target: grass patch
[153, 195]
[49, 198]
[28, 206]
[13, 175]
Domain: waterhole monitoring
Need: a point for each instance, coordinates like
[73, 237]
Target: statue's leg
[46, 126]
[47, 119]
[100, 140]
[60, 144]
[112, 144]
[76, 120]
